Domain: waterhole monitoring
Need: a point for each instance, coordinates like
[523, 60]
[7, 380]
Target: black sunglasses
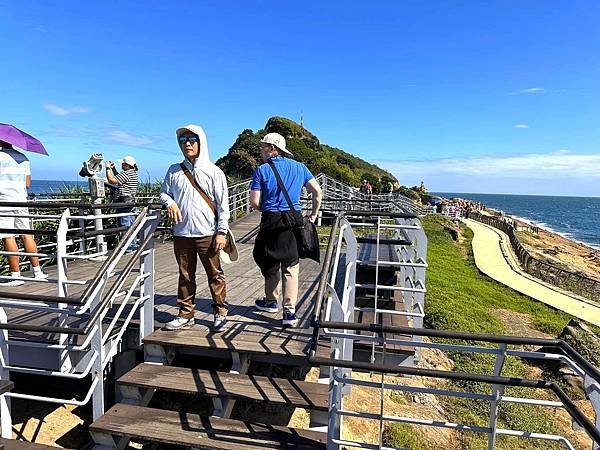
[191, 139]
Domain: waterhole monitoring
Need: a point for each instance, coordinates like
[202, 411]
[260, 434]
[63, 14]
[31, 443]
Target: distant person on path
[197, 232]
[370, 193]
[275, 249]
[127, 182]
[15, 178]
[363, 187]
[389, 187]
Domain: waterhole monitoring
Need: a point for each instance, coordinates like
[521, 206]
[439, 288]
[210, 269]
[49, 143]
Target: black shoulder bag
[305, 231]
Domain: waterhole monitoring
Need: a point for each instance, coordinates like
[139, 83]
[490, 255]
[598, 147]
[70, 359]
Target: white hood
[203, 162]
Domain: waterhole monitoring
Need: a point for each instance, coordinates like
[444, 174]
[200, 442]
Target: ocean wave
[566, 234]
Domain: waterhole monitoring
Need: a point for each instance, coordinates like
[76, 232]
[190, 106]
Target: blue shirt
[294, 176]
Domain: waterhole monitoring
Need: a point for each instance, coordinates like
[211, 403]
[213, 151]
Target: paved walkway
[494, 257]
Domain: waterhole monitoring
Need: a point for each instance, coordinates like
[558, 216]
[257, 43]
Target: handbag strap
[203, 194]
[282, 186]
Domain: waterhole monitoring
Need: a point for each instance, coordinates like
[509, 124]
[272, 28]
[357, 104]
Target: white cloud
[123, 137]
[533, 90]
[65, 111]
[521, 125]
[558, 164]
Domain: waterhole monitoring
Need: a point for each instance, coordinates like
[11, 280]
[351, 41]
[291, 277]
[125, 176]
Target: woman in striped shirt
[127, 184]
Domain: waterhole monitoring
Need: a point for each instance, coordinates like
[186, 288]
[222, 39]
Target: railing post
[5, 410]
[334, 426]
[420, 254]
[98, 349]
[234, 202]
[81, 213]
[592, 389]
[147, 286]
[61, 269]
[497, 392]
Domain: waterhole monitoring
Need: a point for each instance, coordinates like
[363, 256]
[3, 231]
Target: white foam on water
[549, 229]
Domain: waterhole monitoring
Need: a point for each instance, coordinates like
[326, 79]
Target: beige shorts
[9, 218]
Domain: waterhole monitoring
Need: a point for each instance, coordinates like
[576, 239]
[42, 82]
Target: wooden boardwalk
[247, 329]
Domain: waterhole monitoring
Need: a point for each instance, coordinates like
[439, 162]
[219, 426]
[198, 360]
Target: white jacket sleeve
[222, 201]
[166, 197]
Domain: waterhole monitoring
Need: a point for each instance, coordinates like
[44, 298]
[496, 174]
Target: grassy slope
[460, 298]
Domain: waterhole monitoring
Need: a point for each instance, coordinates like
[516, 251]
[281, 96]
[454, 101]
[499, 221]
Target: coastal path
[494, 257]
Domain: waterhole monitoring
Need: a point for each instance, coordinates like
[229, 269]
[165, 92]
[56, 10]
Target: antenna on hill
[301, 119]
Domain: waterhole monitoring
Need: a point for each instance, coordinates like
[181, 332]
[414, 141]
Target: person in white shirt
[200, 224]
[15, 178]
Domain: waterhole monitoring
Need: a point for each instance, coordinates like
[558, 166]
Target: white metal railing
[104, 333]
[239, 205]
[342, 379]
[339, 295]
[339, 196]
[77, 361]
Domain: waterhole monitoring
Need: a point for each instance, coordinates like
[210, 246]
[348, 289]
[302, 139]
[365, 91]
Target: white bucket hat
[128, 160]
[229, 253]
[277, 140]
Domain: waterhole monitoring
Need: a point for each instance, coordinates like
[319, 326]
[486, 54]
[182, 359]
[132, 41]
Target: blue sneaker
[266, 305]
[289, 319]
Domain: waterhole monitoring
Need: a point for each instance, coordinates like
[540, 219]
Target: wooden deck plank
[261, 338]
[301, 394]
[181, 428]
[13, 444]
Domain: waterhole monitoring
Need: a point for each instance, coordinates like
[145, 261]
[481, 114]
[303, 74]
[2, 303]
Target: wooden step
[292, 344]
[301, 394]
[13, 444]
[179, 428]
[395, 353]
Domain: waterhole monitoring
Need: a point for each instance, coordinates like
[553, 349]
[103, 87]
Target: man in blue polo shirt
[275, 249]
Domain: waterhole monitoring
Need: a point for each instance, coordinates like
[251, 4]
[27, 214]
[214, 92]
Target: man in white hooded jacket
[195, 194]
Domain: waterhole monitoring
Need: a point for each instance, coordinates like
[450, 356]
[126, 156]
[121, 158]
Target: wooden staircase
[133, 419]
[169, 427]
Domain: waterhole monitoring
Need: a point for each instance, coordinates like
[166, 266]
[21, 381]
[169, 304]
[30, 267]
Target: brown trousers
[187, 251]
[289, 279]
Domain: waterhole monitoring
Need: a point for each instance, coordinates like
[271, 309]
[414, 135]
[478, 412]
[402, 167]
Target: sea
[575, 218]
[54, 186]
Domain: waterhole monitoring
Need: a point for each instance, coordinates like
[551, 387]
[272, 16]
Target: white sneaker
[13, 283]
[179, 323]
[219, 322]
[40, 275]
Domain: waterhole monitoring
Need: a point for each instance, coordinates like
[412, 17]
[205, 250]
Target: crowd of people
[455, 207]
[195, 194]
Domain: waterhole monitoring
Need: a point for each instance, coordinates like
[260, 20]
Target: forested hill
[244, 155]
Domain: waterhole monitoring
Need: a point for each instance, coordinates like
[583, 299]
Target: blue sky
[495, 96]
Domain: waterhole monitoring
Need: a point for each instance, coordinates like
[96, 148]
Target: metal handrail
[565, 353]
[461, 376]
[90, 289]
[70, 205]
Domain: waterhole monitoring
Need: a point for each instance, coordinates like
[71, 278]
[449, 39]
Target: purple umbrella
[20, 139]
